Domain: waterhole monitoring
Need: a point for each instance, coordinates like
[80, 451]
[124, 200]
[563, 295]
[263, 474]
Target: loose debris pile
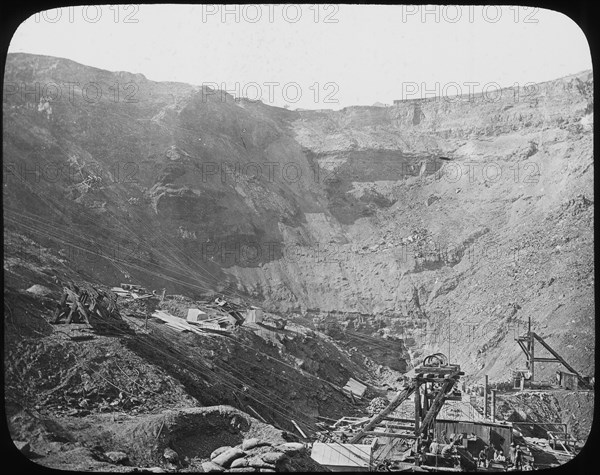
[377, 405]
[232, 309]
[85, 304]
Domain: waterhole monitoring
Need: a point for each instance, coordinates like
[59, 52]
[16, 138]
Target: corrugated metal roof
[342, 455]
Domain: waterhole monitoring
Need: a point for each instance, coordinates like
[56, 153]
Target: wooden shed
[339, 457]
[476, 434]
[568, 380]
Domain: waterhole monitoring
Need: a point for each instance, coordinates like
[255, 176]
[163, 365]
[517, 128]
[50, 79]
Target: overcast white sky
[357, 55]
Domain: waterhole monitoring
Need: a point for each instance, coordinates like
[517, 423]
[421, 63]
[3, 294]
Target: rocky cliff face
[348, 218]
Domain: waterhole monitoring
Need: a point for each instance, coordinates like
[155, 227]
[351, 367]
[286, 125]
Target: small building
[253, 315]
[195, 315]
[519, 376]
[343, 457]
[567, 380]
[476, 435]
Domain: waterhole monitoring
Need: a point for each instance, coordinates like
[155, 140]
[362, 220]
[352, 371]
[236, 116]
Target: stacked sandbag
[255, 455]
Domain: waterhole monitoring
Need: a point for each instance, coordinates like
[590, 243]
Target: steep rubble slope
[461, 249]
[75, 394]
[326, 214]
[71, 370]
[161, 175]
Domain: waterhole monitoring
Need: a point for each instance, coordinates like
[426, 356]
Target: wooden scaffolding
[527, 343]
[431, 383]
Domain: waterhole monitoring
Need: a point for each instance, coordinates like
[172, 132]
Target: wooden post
[257, 414]
[448, 337]
[237, 398]
[532, 369]
[73, 308]
[485, 398]
[161, 427]
[352, 398]
[417, 408]
[394, 403]
[437, 404]
[299, 430]
[59, 308]
[84, 311]
[493, 405]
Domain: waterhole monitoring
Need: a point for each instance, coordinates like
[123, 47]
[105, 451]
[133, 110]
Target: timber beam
[392, 435]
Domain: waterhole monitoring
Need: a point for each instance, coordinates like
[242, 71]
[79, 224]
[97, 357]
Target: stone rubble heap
[377, 405]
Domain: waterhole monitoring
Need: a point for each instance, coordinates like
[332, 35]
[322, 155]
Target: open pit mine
[197, 282]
